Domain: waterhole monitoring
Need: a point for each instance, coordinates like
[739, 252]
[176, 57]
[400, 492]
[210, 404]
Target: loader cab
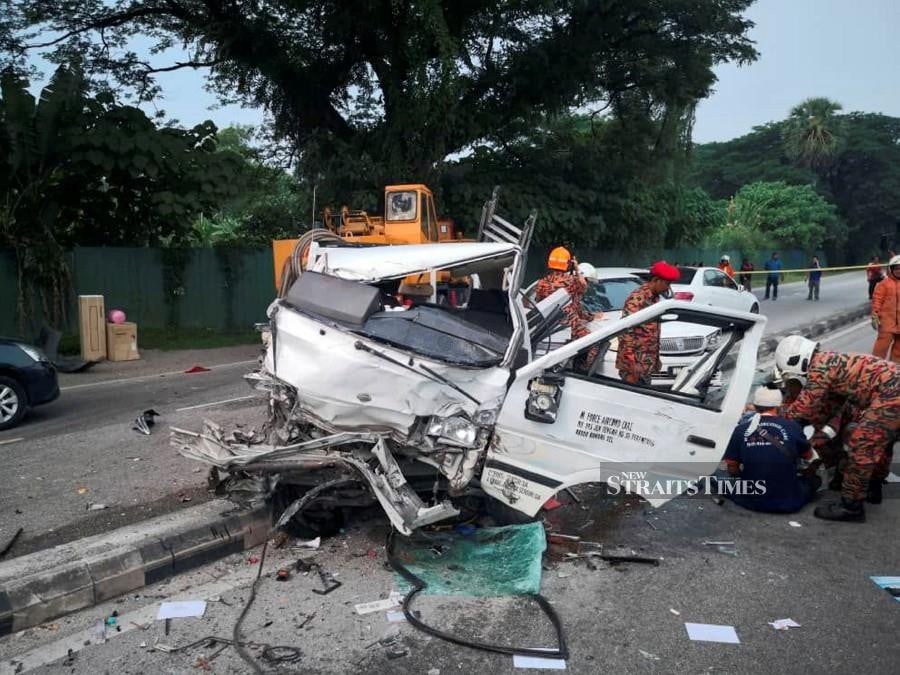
[409, 214]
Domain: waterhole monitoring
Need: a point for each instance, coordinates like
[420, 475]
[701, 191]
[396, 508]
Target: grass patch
[171, 339]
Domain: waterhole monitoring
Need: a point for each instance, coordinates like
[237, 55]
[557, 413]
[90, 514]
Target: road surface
[837, 292]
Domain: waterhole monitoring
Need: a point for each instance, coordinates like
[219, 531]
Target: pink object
[116, 316]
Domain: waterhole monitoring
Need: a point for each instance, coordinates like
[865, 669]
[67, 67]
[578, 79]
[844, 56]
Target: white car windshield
[608, 295]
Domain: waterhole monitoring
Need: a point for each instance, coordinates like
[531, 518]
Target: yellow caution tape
[845, 268]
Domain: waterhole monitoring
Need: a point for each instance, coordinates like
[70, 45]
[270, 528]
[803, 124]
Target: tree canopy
[78, 169]
[379, 91]
[764, 214]
[859, 172]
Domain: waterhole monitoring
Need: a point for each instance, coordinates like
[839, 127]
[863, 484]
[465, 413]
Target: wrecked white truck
[433, 405]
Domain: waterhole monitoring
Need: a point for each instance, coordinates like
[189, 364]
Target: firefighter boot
[873, 494]
[846, 510]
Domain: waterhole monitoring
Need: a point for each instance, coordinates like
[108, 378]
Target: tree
[77, 169]
[591, 184]
[775, 213]
[723, 168]
[813, 133]
[377, 91]
[862, 180]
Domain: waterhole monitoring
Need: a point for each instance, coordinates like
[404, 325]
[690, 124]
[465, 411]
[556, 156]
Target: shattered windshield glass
[438, 333]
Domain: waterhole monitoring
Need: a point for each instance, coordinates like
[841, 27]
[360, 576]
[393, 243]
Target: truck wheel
[13, 402]
[503, 514]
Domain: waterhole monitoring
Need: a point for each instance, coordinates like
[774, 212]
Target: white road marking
[844, 331]
[210, 405]
[12, 440]
[140, 378]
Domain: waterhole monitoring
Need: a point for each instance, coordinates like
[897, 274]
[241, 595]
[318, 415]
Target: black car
[27, 379]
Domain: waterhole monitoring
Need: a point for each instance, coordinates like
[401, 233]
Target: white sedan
[711, 286]
[681, 343]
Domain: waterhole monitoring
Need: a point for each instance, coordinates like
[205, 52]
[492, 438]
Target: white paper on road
[396, 616]
[707, 632]
[379, 605]
[794, 523]
[784, 624]
[538, 662]
[181, 610]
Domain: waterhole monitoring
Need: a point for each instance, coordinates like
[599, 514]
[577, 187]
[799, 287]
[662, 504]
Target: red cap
[665, 271]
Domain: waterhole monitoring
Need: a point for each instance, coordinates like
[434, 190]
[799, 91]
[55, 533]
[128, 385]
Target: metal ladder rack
[493, 228]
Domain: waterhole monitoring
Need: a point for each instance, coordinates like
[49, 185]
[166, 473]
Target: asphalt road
[837, 292]
[625, 619]
[82, 451]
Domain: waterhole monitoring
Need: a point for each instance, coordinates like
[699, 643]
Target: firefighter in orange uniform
[886, 313]
[725, 266]
[638, 356]
[562, 272]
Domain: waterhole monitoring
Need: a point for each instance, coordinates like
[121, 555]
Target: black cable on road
[561, 652]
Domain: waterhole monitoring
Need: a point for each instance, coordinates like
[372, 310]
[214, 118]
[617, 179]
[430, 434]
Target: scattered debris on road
[706, 632]
[144, 422]
[784, 624]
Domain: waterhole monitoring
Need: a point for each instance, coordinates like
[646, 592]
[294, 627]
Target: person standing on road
[766, 449]
[638, 355]
[814, 278]
[747, 279]
[886, 313]
[874, 274]
[773, 265]
[870, 384]
[725, 266]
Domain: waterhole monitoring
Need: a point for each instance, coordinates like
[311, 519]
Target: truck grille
[676, 345]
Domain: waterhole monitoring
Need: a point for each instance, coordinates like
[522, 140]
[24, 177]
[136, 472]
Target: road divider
[47, 584]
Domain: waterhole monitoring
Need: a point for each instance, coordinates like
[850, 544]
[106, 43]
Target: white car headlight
[35, 353]
[712, 340]
[456, 431]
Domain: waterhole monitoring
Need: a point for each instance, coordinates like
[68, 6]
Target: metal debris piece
[144, 422]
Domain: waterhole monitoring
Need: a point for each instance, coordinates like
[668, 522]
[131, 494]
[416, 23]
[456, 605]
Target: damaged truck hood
[352, 384]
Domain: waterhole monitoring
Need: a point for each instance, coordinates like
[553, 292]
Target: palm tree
[813, 133]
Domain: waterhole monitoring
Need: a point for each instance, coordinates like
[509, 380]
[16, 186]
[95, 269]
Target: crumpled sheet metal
[213, 446]
[351, 389]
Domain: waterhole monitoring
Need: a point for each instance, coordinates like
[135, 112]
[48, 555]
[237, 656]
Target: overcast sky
[847, 50]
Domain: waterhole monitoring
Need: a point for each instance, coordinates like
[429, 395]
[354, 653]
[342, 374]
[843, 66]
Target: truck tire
[13, 402]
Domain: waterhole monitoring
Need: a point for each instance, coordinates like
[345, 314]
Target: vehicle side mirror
[741, 287]
[544, 394]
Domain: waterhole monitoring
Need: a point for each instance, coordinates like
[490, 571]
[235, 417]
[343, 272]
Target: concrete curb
[47, 584]
[816, 328]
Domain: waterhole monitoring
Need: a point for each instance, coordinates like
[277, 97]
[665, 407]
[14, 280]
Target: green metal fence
[219, 289]
[223, 289]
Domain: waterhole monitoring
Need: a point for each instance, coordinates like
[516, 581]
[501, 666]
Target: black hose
[236, 633]
[561, 652]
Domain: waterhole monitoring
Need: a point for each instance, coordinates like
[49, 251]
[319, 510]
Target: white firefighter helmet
[725, 258]
[793, 354]
[894, 262]
[587, 270]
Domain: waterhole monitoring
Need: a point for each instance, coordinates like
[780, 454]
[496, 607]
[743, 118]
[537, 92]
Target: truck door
[563, 424]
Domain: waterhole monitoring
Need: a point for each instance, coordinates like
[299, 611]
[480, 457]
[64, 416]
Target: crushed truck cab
[423, 405]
